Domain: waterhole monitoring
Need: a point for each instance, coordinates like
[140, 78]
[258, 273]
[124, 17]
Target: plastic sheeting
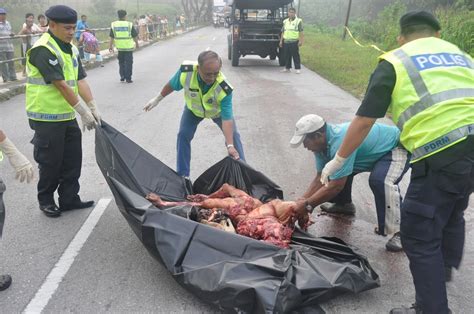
[233, 272]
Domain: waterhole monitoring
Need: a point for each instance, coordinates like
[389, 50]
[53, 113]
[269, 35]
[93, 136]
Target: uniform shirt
[134, 33]
[300, 28]
[226, 103]
[5, 31]
[46, 63]
[380, 140]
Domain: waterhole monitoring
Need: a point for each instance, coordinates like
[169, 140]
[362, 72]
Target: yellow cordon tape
[359, 44]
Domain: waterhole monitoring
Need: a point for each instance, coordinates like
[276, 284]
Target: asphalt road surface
[100, 263]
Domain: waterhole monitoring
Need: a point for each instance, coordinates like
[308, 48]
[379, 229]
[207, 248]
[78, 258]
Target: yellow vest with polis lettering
[123, 35]
[433, 98]
[44, 102]
[206, 105]
[291, 29]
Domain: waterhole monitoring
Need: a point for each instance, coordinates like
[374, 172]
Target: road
[112, 271]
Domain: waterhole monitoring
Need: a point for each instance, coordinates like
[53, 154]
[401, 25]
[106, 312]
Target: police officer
[207, 95]
[125, 37]
[24, 172]
[291, 39]
[427, 85]
[55, 80]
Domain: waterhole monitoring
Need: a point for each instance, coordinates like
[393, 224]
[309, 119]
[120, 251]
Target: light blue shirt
[226, 103]
[80, 26]
[380, 140]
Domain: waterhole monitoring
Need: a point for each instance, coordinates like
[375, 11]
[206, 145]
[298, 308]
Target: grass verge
[341, 62]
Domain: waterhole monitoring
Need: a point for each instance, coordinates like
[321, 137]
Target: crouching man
[379, 154]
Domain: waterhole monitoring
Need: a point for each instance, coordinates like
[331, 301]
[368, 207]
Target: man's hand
[95, 111]
[281, 44]
[300, 43]
[88, 120]
[233, 152]
[331, 168]
[153, 102]
[21, 165]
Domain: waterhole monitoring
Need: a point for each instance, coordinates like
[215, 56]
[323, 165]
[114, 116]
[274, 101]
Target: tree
[103, 7]
[198, 10]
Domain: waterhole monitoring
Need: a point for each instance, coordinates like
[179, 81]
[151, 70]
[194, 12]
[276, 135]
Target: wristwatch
[308, 207]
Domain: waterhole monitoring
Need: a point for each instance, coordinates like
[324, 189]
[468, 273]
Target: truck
[255, 29]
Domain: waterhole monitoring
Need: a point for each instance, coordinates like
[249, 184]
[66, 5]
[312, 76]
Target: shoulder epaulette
[226, 87]
[187, 66]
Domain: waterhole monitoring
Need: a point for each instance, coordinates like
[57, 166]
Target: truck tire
[235, 56]
[273, 57]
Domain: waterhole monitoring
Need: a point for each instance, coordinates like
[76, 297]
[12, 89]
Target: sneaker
[395, 243]
[346, 209]
[414, 309]
[5, 282]
[122, 79]
[285, 71]
[298, 71]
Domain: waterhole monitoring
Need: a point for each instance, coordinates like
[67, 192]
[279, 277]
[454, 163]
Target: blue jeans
[187, 128]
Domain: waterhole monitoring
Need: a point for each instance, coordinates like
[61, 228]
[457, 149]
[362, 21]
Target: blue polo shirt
[380, 140]
[226, 103]
[80, 26]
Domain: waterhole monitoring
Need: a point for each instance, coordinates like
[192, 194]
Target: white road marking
[54, 278]
[214, 38]
[208, 48]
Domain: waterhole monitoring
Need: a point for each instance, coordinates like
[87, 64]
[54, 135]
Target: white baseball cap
[307, 124]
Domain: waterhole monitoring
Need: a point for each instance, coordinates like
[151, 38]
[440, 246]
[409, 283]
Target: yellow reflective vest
[206, 105]
[44, 102]
[433, 98]
[290, 29]
[123, 35]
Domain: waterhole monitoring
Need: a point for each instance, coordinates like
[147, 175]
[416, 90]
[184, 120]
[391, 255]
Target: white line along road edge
[54, 278]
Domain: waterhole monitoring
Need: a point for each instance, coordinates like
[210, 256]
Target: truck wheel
[235, 56]
[273, 57]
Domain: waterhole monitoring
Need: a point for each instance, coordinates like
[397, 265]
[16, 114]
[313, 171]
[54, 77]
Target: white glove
[95, 111]
[22, 166]
[331, 168]
[153, 102]
[88, 120]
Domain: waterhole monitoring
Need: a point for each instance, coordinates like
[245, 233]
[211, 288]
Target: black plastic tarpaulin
[233, 272]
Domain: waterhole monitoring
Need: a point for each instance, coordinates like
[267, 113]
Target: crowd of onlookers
[149, 27]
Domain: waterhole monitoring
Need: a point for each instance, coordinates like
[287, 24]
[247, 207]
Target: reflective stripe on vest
[443, 141]
[51, 117]
[40, 81]
[123, 35]
[291, 32]
[426, 99]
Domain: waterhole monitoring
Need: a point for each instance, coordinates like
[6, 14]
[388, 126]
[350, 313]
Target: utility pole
[299, 6]
[346, 24]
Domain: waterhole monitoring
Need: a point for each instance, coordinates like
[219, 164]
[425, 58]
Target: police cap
[62, 14]
[419, 18]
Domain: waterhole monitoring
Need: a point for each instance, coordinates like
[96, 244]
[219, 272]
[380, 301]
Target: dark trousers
[187, 128]
[58, 152]
[2, 206]
[8, 68]
[125, 59]
[432, 224]
[291, 51]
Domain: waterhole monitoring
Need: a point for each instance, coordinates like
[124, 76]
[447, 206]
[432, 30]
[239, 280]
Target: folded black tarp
[233, 272]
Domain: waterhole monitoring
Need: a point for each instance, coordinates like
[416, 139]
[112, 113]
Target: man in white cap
[378, 154]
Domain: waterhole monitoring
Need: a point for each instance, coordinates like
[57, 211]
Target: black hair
[318, 132]
[83, 15]
[208, 55]
[27, 15]
[121, 14]
[292, 10]
[41, 16]
[417, 29]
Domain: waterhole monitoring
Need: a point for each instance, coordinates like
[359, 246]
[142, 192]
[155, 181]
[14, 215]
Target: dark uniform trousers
[58, 152]
[291, 50]
[125, 59]
[2, 206]
[432, 222]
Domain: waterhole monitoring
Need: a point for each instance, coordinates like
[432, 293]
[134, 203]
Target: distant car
[255, 27]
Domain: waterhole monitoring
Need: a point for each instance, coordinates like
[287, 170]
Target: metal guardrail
[157, 31]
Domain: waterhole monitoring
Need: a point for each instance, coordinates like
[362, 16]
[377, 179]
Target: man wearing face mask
[55, 81]
[207, 95]
[379, 155]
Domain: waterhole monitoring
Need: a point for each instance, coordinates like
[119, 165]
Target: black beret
[419, 18]
[62, 14]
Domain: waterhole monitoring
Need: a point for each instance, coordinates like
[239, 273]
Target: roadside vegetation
[372, 22]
